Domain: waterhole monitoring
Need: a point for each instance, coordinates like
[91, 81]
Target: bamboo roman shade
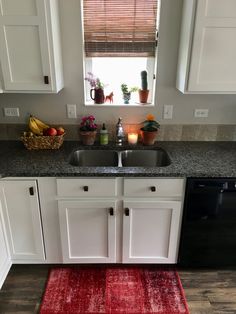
[117, 28]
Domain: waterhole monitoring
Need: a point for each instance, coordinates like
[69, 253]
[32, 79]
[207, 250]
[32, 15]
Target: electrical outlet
[11, 112]
[168, 112]
[71, 111]
[201, 113]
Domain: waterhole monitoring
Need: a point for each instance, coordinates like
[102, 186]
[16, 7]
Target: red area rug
[113, 290]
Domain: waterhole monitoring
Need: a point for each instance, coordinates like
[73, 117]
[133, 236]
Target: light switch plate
[71, 111]
[168, 112]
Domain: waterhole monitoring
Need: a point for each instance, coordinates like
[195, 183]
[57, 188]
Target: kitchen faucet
[119, 132]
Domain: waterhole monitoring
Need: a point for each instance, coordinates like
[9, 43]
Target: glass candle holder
[133, 138]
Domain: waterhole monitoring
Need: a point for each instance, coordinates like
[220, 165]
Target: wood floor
[207, 291]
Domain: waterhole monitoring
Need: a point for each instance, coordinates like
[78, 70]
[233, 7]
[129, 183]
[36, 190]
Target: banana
[40, 124]
[34, 127]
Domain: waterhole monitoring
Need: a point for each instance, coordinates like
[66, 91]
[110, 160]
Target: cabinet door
[23, 220]
[213, 62]
[151, 231]
[5, 262]
[24, 46]
[88, 231]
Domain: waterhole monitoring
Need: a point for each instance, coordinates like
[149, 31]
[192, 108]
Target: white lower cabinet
[151, 231]
[135, 220]
[88, 231]
[90, 220]
[5, 260]
[22, 218]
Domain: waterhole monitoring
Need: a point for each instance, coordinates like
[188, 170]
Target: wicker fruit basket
[43, 142]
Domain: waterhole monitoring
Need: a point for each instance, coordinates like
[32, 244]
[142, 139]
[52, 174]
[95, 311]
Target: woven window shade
[120, 28]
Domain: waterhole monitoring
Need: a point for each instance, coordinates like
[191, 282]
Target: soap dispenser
[103, 135]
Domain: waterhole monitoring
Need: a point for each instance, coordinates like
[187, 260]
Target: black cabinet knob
[31, 190]
[126, 211]
[86, 188]
[153, 189]
[111, 211]
[46, 79]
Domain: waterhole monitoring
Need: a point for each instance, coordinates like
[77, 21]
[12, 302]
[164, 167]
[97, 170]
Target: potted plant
[149, 130]
[144, 91]
[97, 88]
[127, 92]
[88, 130]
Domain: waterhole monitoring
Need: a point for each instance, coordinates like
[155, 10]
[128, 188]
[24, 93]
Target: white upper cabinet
[30, 51]
[207, 62]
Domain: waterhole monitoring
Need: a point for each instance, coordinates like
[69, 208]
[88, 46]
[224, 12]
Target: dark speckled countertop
[188, 159]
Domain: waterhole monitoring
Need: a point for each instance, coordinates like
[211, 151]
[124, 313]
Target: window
[120, 39]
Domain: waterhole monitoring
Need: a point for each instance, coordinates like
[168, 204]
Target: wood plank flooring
[207, 291]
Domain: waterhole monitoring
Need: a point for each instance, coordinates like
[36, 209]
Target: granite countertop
[188, 159]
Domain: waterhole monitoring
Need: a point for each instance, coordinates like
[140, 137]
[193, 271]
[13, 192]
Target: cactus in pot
[143, 92]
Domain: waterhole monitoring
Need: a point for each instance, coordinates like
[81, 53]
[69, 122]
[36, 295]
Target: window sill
[136, 104]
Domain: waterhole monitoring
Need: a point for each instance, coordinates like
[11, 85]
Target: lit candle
[132, 138]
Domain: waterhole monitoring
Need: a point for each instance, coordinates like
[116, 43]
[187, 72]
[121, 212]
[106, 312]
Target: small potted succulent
[144, 91]
[97, 88]
[149, 130]
[88, 130]
[127, 92]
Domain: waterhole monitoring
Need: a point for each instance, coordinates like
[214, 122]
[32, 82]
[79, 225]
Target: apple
[60, 130]
[51, 132]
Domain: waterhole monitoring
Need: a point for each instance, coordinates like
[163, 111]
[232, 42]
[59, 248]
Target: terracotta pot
[97, 94]
[88, 137]
[148, 137]
[143, 95]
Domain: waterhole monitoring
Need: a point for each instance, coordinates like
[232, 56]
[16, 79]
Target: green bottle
[103, 135]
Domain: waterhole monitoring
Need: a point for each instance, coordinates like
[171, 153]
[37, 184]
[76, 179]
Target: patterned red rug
[113, 290]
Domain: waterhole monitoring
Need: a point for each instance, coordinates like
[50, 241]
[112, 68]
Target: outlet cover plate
[11, 112]
[201, 113]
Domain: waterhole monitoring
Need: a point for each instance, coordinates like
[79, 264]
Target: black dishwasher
[208, 236]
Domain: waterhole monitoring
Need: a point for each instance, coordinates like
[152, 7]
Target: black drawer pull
[86, 188]
[31, 190]
[153, 189]
[126, 211]
[46, 79]
[111, 211]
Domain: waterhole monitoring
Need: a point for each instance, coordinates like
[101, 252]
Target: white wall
[52, 108]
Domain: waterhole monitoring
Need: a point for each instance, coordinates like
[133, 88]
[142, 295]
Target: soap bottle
[103, 135]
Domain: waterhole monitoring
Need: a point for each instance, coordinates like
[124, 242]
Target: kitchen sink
[145, 158]
[94, 158]
[127, 158]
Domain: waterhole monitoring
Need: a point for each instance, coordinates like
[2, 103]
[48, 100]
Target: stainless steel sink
[145, 158]
[127, 158]
[94, 158]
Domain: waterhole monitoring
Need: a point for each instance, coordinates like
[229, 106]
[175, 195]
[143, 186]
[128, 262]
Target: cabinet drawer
[86, 187]
[153, 187]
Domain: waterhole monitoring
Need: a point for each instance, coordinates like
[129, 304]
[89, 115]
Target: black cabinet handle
[111, 211]
[86, 188]
[46, 79]
[126, 211]
[31, 190]
[153, 189]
